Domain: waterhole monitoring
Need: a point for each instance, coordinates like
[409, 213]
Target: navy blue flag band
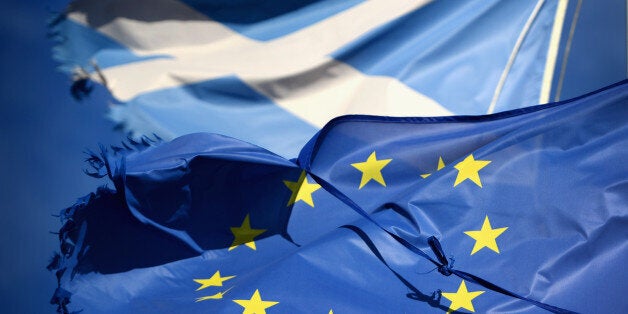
[370, 218]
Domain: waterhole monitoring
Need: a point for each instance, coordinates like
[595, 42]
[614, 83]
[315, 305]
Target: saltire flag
[520, 211]
[274, 72]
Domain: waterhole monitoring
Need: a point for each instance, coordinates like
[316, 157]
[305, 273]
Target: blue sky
[44, 133]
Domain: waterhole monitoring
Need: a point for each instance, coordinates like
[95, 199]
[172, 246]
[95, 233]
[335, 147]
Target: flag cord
[513, 55]
[563, 67]
[442, 264]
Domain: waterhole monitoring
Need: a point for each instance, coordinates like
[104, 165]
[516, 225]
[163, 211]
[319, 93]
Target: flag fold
[259, 71]
[530, 200]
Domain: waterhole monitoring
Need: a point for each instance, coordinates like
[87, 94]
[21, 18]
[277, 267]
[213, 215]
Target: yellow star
[468, 169]
[245, 235]
[301, 190]
[371, 169]
[216, 296]
[215, 281]
[485, 237]
[461, 298]
[441, 165]
[255, 305]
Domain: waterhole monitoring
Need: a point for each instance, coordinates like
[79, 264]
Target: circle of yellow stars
[371, 169]
[468, 169]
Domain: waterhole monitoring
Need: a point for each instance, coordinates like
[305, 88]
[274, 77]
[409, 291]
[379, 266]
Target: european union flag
[521, 211]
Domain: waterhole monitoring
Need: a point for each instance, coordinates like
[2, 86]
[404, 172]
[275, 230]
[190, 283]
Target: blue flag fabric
[273, 73]
[528, 203]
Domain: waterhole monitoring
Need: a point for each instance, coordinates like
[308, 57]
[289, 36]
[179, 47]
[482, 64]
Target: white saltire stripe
[294, 71]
